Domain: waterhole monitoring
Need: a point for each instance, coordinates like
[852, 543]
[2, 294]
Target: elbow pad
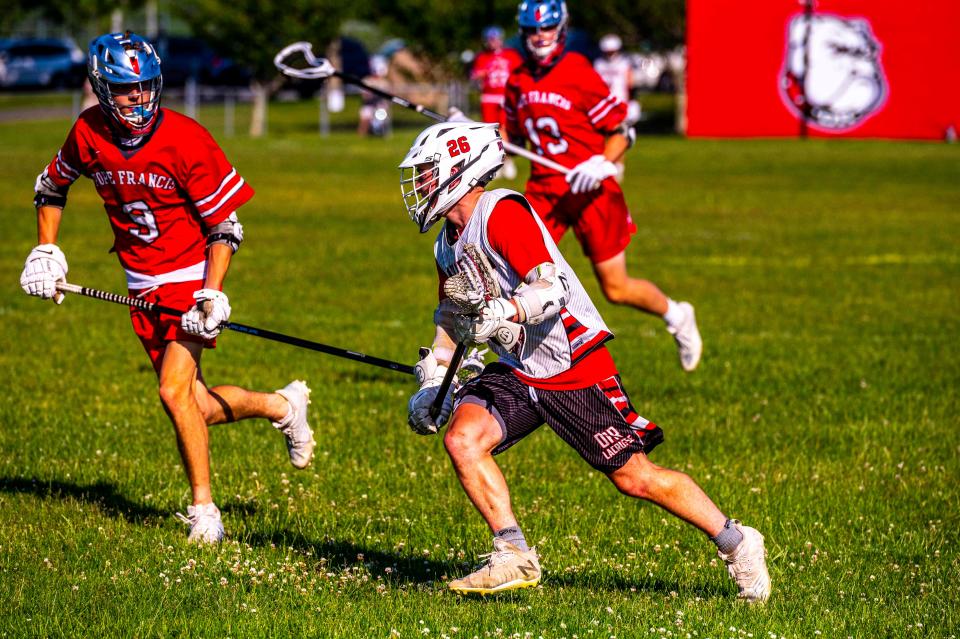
[543, 297]
[48, 193]
[229, 232]
[627, 131]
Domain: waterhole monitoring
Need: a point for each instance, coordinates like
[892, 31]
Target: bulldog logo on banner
[832, 75]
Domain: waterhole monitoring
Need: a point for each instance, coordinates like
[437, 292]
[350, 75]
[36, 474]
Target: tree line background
[245, 29]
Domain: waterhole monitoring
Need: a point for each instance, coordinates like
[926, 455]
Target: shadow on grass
[101, 494]
[393, 567]
[641, 585]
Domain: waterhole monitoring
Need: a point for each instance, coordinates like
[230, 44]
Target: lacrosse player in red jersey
[490, 70]
[557, 102]
[504, 283]
[171, 197]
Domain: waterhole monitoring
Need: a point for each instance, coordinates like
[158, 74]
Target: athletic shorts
[600, 218]
[598, 421]
[156, 330]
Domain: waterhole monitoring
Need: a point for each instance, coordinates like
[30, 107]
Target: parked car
[41, 62]
[184, 57]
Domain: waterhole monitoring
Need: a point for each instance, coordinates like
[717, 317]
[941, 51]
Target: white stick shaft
[513, 149]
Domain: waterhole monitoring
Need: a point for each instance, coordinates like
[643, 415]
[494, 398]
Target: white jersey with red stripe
[547, 349]
[160, 197]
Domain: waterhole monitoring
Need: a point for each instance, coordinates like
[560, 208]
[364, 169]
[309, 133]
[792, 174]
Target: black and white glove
[430, 374]
[208, 316]
[590, 174]
[491, 323]
[45, 266]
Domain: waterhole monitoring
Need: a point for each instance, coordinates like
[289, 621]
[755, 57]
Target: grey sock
[513, 535]
[728, 538]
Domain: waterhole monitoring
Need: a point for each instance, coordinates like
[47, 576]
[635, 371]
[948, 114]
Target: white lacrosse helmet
[444, 163]
[610, 43]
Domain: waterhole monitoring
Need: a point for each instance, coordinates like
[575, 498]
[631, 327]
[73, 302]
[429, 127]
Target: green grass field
[825, 412]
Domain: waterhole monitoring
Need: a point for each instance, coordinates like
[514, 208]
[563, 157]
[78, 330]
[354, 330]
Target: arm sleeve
[515, 235]
[212, 183]
[604, 110]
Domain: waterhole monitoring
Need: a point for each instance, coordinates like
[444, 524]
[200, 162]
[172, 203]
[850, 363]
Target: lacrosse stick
[152, 307]
[470, 289]
[320, 69]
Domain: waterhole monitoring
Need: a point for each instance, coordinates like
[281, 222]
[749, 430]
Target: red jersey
[160, 197]
[491, 69]
[566, 112]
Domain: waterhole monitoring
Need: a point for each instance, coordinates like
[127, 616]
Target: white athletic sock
[674, 314]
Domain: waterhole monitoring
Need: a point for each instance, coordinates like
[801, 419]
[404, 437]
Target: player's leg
[492, 414]
[177, 374]
[619, 288]
[740, 547]
[470, 439]
[286, 409]
[604, 230]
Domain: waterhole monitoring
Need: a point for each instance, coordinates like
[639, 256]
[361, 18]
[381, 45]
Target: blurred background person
[490, 71]
[374, 110]
[617, 73]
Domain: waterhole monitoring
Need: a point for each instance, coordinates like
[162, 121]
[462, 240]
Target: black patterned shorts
[598, 422]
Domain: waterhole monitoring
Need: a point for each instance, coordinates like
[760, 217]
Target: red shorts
[600, 218]
[156, 330]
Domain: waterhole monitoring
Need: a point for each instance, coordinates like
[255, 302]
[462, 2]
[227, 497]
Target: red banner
[848, 68]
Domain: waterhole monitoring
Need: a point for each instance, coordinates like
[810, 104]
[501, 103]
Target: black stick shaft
[396, 99]
[437, 405]
[240, 328]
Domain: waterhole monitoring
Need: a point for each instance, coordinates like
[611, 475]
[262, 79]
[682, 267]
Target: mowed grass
[825, 413]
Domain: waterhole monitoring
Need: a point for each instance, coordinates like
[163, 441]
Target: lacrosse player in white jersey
[505, 284]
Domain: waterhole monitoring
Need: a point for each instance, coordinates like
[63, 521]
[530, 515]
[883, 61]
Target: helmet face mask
[124, 71]
[445, 162]
[543, 29]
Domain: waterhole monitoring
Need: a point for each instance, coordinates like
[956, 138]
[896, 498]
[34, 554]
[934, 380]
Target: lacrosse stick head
[297, 61]
[445, 162]
[474, 284]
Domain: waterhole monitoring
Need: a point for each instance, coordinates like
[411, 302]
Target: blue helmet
[535, 16]
[492, 33]
[118, 64]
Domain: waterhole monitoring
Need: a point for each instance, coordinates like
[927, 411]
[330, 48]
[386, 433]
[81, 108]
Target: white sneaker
[294, 426]
[687, 337]
[204, 522]
[507, 568]
[747, 565]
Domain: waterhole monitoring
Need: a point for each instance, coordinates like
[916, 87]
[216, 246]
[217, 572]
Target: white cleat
[506, 568]
[747, 565]
[687, 337]
[294, 426]
[205, 524]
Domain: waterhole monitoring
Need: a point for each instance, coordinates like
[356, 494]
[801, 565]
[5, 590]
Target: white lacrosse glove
[590, 174]
[430, 374]
[492, 322]
[45, 266]
[208, 316]
[472, 365]
[456, 115]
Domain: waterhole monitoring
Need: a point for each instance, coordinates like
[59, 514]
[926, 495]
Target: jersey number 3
[143, 217]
